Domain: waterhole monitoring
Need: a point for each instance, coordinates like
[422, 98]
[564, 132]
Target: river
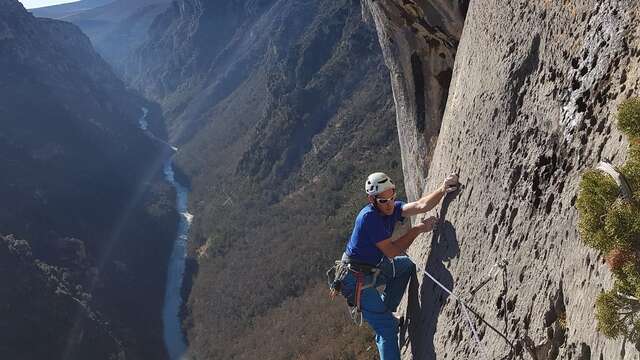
[173, 336]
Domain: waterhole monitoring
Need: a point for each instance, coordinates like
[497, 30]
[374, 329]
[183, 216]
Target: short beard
[377, 207]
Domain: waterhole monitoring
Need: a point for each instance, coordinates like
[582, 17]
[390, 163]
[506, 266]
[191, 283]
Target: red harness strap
[359, 285]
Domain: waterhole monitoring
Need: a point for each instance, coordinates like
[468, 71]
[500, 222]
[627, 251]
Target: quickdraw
[337, 273]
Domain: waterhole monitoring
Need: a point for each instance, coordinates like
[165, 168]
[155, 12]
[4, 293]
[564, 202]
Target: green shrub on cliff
[628, 278]
[622, 224]
[611, 224]
[598, 191]
[629, 118]
[631, 169]
[629, 123]
[618, 315]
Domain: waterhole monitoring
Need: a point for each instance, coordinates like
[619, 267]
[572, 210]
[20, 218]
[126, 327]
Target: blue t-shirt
[372, 227]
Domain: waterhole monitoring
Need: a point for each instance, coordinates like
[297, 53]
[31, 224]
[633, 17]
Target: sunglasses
[384, 201]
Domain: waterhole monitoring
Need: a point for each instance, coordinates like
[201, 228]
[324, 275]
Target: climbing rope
[464, 306]
[503, 266]
[503, 294]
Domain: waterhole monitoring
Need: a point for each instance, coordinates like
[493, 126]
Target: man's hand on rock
[450, 184]
[427, 224]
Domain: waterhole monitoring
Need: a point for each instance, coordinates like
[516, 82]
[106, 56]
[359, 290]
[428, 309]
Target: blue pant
[377, 308]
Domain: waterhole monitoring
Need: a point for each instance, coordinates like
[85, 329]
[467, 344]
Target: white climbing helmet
[377, 183]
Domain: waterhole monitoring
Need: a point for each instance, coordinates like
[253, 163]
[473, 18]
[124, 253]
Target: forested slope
[282, 109]
[80, 187]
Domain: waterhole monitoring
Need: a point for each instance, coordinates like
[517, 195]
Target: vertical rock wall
[419, 41]
[531, 105]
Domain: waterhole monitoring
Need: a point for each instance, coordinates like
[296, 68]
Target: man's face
[384, 201]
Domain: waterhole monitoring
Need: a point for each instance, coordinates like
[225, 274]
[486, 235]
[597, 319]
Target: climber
[373, 259]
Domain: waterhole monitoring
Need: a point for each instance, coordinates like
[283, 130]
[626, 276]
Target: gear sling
[337, 273]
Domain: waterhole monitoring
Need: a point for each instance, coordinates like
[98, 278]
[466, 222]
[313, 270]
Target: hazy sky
[30, 4]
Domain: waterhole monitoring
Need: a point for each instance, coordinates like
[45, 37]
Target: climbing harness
[337, 273]
[360, 274]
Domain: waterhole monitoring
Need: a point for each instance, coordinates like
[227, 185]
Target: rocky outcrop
[40, 303]
[81, 185]
[531, 104]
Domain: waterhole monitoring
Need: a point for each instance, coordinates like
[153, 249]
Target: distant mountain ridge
[62, 10]
[115, 27]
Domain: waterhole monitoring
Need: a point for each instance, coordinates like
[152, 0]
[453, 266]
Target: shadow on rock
[426, 302]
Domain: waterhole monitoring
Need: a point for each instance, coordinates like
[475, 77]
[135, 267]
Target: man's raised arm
[432, 199]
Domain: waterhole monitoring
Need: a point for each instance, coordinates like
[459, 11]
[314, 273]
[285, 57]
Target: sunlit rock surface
[530, 105]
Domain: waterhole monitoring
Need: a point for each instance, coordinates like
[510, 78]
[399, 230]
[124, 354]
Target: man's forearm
[402, 243]
[432, 199]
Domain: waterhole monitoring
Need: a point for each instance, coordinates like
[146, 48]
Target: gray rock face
[531, 105]
[419, 42]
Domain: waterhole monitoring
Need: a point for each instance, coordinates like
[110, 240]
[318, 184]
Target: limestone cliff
[419, 41]
[530, 105]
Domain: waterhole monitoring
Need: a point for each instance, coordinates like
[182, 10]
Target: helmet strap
[373, 202]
